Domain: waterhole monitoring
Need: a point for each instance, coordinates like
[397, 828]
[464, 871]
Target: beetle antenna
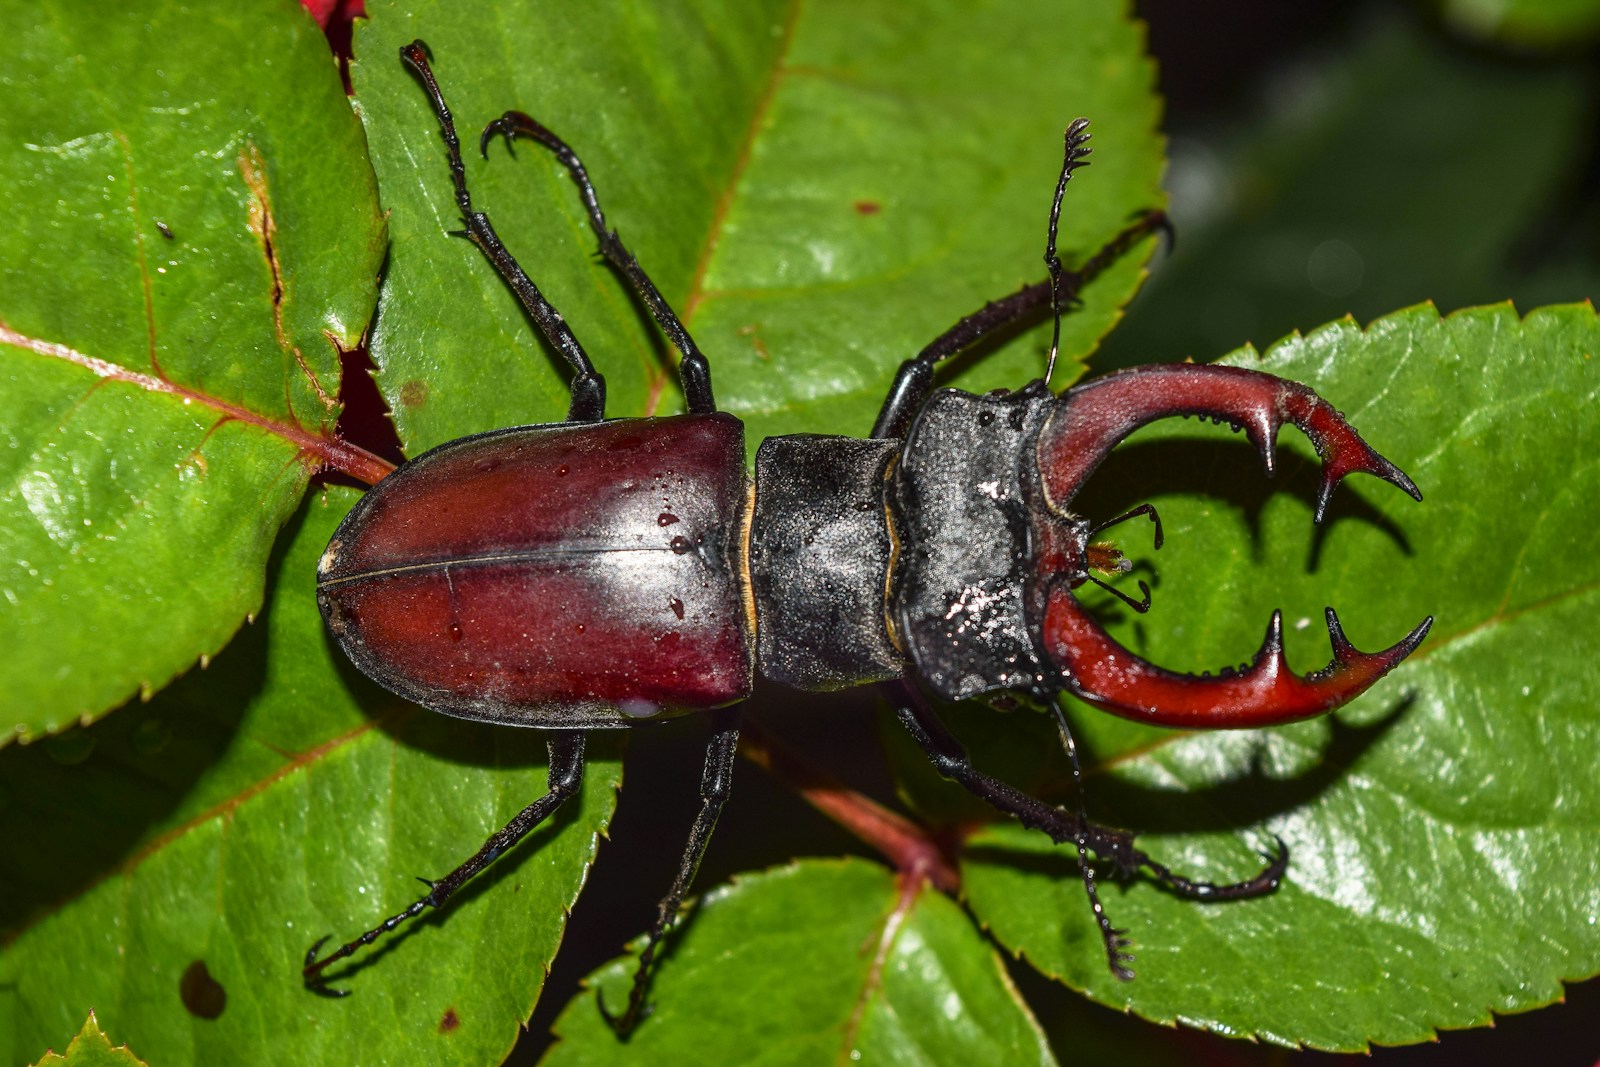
[1077, 148]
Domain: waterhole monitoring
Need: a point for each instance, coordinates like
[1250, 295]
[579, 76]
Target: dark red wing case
[565, 575]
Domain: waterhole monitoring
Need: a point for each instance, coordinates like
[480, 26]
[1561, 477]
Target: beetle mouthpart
[1140, 606]
[1264, 693]
[1084, 557]
[1092, 419]
[1088, 422]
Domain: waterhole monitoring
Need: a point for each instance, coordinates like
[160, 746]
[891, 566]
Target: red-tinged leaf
[171, 865]
[189, 243]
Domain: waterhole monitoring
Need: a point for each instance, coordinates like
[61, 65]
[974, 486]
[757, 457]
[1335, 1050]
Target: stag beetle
[597, 574]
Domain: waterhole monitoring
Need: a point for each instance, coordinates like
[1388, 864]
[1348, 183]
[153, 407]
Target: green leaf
[869, 972]
[820, 189]
[91, 1048]
[165, 395]
[254, 807]
[202, 841]
[1444, 829]
[1564, 24]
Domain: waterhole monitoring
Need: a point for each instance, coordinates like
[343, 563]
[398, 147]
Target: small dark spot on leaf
[450, 1022]
[414, 394]
[166, 231]
[203, 995]
[868, 207]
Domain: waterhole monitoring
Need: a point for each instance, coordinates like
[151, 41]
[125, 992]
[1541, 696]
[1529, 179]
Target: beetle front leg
[566, 776]
[914, 380]
[950, 759]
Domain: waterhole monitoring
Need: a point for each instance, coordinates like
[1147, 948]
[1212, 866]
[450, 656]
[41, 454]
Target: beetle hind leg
[566, 776]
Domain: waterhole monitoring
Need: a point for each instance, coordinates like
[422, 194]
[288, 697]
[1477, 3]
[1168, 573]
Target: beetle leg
[951, 760]
[1110, 936]
[715, 784]
[566, 776]
[693, 370]
[588, 385]
[914, 380]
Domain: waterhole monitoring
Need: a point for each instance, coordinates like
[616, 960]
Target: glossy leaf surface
[188, 244]
[870, 974]
[1442, 828]
[251, 809]
[819, 189]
